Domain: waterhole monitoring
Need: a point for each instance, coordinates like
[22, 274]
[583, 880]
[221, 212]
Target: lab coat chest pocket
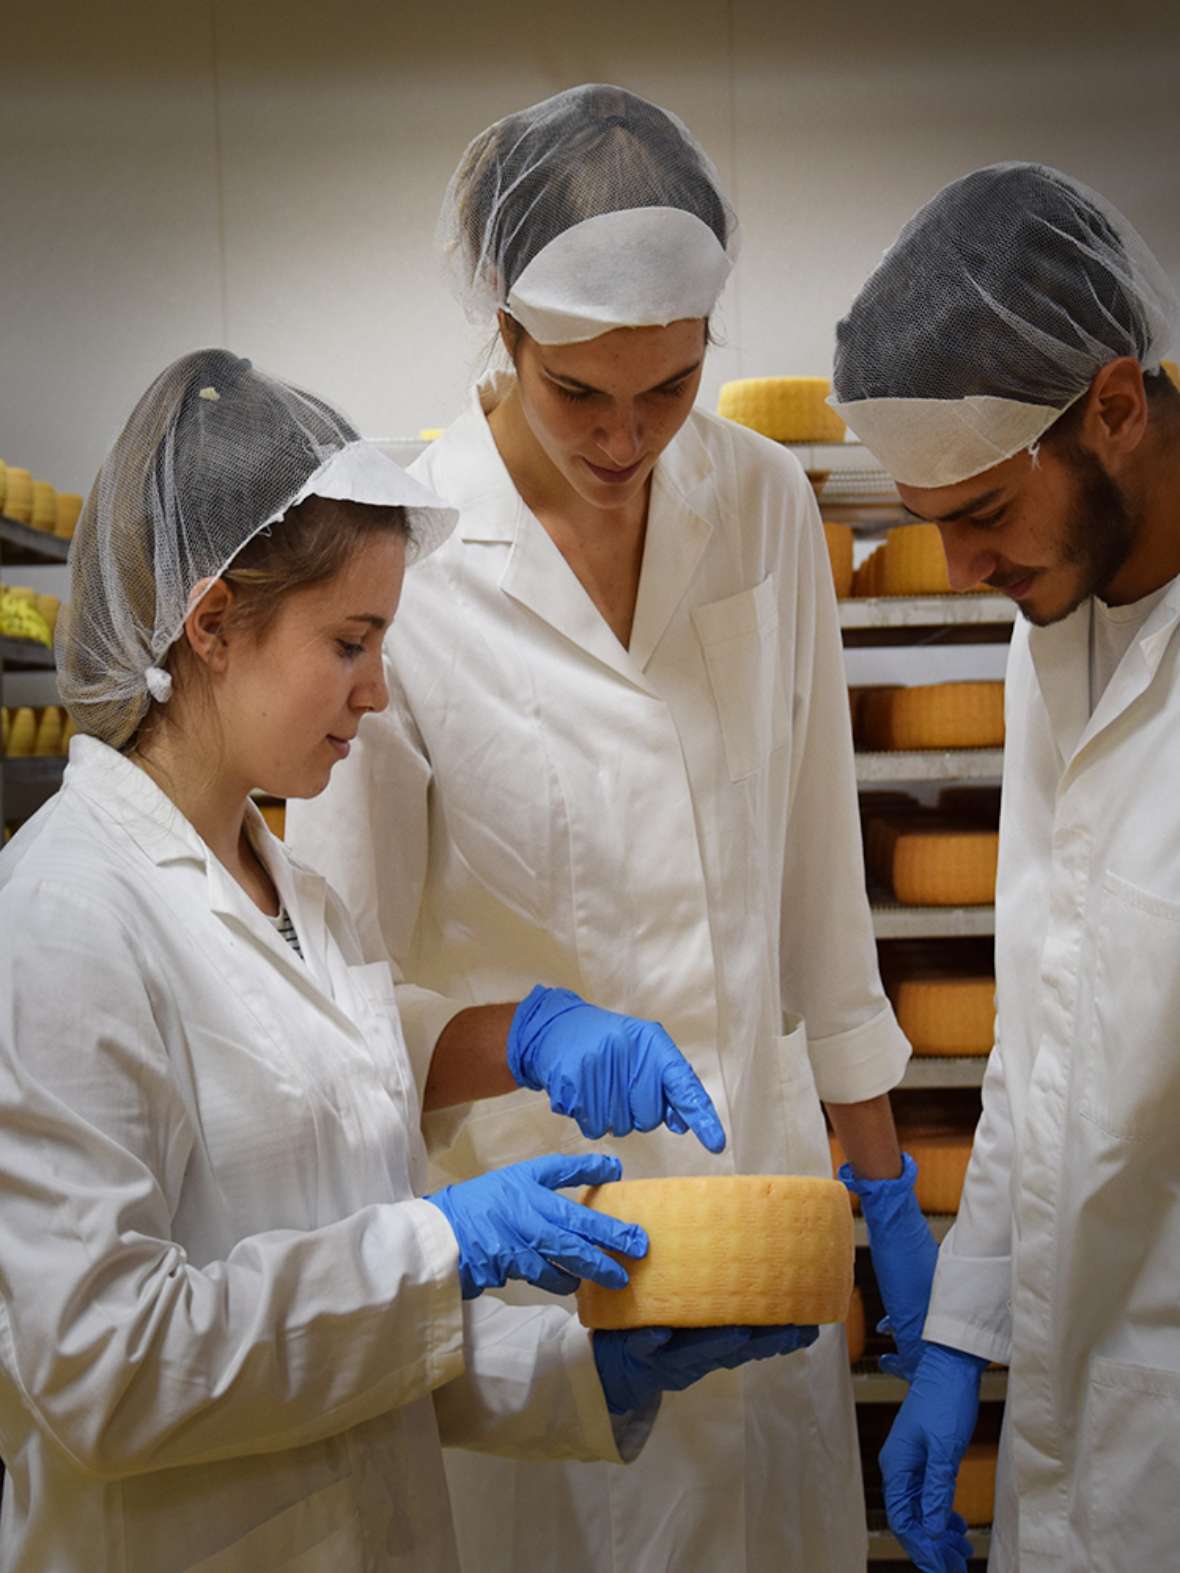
[1130, 1470]
[1132, 1071]
[740, 641]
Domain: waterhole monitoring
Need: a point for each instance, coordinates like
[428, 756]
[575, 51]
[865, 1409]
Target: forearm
[867, 1134]
[470, 1060]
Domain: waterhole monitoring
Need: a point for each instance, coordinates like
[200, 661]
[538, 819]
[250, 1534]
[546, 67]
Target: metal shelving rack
[21, 546]
[929, 620]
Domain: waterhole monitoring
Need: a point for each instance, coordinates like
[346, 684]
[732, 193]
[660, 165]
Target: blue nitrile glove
[921, 1457]
[904, 1256]
[636, 1364]
[609, 1072]
[509, 1224]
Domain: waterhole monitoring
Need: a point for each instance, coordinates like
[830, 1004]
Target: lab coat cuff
[852, 1067]
[970, 1304]
[443, 1321]
[601, 1439]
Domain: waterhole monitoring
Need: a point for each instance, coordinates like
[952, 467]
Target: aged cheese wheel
[975, 1492]
[934, 715]
[839, 539]
[44, 506]
[942, 1159]
[49, 730]
[756, 1249]
[18, 494]
[944, 867]
[22, 732]
[786, 409]
[855, 1329]
[946, 1015]
[275, 815]
[69, 506]
[914, 562]
[49, 606]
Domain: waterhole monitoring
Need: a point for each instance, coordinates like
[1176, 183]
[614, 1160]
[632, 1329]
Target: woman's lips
[340, 744]
[613, 477]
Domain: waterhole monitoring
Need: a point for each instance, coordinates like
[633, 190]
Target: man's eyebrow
[366, 617]
[976, 503]
[585, 387]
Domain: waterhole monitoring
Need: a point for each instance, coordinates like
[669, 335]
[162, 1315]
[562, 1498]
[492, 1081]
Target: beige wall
[267, 175]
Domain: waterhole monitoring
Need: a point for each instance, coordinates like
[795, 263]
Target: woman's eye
[574, 396]
[350, 651]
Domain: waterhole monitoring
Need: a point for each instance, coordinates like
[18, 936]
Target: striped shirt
[287, 929]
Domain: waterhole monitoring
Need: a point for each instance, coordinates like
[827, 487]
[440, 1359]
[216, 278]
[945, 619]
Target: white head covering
[992, 313]
[591, 211]
[214, 452]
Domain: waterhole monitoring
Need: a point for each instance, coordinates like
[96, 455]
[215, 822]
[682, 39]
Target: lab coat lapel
[1137, 668]
[1061, 659]
[538, 577]
[676, 541]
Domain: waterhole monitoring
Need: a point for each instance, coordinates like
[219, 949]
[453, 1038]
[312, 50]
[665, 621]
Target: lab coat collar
[1061, 658]
[537, 575]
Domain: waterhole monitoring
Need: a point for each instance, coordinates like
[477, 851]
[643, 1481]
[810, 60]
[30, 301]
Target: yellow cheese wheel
[69, 506]
[18, 494]
[942, 1159]
[275, 815]
[975, 1491]
[935, 715]
[839, 539]
[44, 506]
[946, 1015]
[786, 409]
[855, 1329]
[49, 730]
[22, 733]
[49, 606]
[914, 562]
[756, 1249]
[945, 867]
[20, 619]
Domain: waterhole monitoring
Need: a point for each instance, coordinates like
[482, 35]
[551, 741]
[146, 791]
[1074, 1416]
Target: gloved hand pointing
[609, 1072]
[509, 1224]
[635, 1365]
[921, 1457]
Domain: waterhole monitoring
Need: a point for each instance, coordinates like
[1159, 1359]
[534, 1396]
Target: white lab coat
[225, 1325]
[1065, 1259]
[672, 831]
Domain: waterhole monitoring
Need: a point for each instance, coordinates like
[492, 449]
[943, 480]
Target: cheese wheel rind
[751, 1250]
[785, 409]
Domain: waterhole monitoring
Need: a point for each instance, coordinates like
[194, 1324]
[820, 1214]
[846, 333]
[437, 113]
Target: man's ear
[1116, 415]
[204, 627]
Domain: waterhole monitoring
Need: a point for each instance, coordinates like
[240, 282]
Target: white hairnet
[994, 310]
[214, 452]
[590, 211]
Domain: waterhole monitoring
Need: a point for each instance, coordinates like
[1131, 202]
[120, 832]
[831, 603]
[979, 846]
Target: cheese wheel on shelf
[946, 1015]
[944, 867]
[855, 1329]
[69, 506]
[754, 1250]
[914, 562]
[942, 1158]
[975, 1490]
[49, 606]
[44, 507]
[839, 539]
[785, 409]
[18, 494]
[49, 729]
[22, 732]
[935, 715]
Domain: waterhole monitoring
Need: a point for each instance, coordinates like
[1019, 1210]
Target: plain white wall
[267, 175]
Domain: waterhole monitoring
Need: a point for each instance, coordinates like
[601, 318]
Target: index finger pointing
[686, 1095]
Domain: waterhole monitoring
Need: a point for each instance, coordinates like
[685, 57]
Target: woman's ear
[510, 333]
[204, 627]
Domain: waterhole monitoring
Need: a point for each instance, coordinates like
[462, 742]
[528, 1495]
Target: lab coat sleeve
[368, 834]
[131, 1358]
[530, 1389]
[828, 952]
[971, 1303]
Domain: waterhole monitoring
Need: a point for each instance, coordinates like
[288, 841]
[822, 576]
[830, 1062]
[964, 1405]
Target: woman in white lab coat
[231, 1340]
[618, 759]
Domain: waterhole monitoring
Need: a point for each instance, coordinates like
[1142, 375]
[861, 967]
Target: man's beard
[1101, 531]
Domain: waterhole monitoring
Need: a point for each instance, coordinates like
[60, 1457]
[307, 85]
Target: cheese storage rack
[948, 1087]
[27, 781]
